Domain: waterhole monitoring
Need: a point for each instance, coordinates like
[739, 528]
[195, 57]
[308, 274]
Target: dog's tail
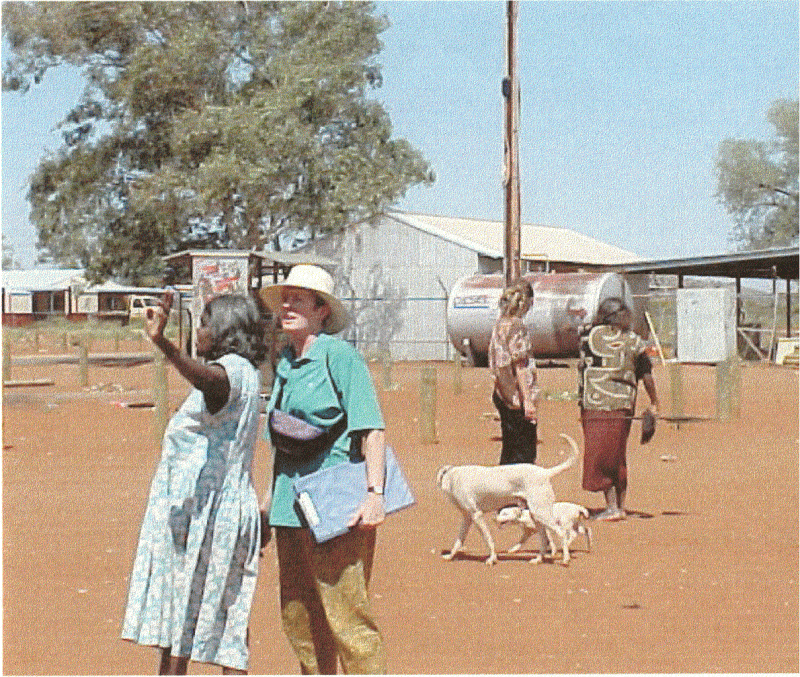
[574, 452]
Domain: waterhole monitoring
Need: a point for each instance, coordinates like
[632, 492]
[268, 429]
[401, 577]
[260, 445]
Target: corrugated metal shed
[396, 274]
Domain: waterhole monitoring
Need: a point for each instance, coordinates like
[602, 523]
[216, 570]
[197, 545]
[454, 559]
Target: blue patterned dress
[194, 575]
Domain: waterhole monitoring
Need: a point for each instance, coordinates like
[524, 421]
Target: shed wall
[395, 280]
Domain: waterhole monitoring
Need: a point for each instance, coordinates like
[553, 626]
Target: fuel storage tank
[562, 304]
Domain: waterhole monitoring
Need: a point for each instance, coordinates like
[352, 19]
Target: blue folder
[330, 497]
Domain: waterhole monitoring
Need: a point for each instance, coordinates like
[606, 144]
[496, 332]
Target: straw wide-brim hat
[318, 280]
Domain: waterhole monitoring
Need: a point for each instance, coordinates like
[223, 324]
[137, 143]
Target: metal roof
[281, 258]
[292, 258]
[485, 237]
[49, 279]
[780, 262]
[111, 287]
[58, 279]
[538, 242]
[228, 253]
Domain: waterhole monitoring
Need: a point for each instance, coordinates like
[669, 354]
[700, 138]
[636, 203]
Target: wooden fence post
[676, 390]
[427, 408]
[160, 396]
[6, 357]
[458, 383]
[386, 362]
[727, 387]
[83, 360]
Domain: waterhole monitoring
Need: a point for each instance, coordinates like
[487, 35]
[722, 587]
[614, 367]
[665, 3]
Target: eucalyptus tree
[9, 261]
[758, 182]
[207, 125]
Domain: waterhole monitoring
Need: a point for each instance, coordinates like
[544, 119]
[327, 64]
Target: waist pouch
[298, 438]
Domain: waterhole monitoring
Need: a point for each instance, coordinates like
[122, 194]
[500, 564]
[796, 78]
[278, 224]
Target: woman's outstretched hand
[156, 317]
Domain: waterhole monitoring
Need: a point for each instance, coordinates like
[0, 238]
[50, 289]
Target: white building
[37, 294]
[395, 275]
[40, 294]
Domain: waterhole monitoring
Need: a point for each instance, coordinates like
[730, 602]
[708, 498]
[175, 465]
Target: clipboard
[329, 498]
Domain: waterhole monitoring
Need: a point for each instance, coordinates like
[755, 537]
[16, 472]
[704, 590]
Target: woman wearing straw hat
[324, 381]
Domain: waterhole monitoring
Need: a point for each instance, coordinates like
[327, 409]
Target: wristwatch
[375, 490]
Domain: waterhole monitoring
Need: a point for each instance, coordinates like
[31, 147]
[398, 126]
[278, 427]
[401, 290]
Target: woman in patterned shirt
[514, 371]
[613, 361]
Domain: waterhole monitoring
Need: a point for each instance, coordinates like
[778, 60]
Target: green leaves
[208, 124]
[758, 182]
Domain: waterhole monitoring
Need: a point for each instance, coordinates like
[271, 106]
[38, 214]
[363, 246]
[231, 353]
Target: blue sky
[623, 107]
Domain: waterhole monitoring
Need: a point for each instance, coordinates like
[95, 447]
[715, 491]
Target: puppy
[476, 489]
[569, 515]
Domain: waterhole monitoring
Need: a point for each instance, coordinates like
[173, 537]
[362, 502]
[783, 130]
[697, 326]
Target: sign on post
[214, 275]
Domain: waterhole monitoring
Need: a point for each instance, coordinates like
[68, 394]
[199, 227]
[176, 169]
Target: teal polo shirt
[329, 382]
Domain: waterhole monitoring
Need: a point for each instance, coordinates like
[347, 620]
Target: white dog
[569, 515]
[477, 489]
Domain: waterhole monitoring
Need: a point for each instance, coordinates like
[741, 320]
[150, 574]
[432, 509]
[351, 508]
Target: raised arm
[210, 379]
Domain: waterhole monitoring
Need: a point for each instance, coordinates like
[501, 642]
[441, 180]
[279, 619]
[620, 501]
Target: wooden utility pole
[511, 150]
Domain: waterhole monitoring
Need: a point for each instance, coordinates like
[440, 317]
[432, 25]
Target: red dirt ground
[702, 577]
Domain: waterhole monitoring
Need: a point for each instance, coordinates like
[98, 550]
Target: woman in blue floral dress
[194, 574]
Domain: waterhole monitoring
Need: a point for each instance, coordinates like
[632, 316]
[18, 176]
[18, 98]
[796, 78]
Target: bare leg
[611, 499]
[165, 666]
[172, 665]
[614, 510]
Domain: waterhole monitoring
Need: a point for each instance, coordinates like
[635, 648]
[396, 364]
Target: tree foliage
[207, 125]
[758, 182]
[9, 262]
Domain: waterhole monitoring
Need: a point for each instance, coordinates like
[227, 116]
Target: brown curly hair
[514, 298]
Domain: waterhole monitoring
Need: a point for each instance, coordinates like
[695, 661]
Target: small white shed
[706, 320]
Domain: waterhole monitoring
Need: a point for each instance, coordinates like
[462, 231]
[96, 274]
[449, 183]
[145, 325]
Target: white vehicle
[138, 305]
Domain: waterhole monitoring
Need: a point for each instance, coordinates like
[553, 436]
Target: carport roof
[780, 262]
